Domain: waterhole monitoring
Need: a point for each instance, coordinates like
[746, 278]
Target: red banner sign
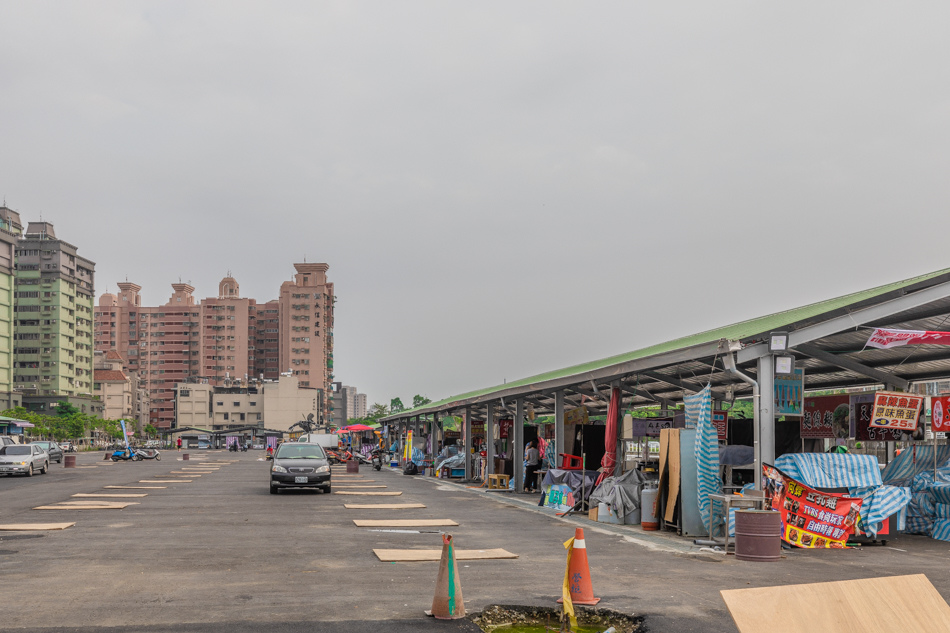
[826, 417]
[810, 518]
[895, 410]
[862, 409]
[940, 414]
[504, 427]
[720, 420]
[886, 339]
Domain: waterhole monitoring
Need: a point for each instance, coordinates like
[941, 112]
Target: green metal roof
[736, 331]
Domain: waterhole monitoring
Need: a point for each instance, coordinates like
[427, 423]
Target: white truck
[326, 440]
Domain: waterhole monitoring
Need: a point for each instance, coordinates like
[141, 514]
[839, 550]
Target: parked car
[299, 465]
[6, 440]
[68, 447]
[23, 459]
[55, 450]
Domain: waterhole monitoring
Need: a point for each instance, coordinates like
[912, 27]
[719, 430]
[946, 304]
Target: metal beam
[852, 320]
[489, 440]
[517, 457]
[467, 444]
[852, 365]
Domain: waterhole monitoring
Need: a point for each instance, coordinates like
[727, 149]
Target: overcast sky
[500, 188]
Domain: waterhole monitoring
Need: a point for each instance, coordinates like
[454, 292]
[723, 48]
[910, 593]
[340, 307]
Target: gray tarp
[621, 493]
[573, 479]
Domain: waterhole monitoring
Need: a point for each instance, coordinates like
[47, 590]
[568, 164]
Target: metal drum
[648, 519]
[69, 461]
[758, 536]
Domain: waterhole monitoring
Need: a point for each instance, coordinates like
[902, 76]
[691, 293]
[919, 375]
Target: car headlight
[23, 463]
[278, 469]
[324, 469]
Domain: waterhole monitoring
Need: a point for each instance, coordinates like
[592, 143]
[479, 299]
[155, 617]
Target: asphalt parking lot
[220, 553]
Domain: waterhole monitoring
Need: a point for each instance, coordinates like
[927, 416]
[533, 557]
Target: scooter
[377, 458]
[135, 455]
[233, 448]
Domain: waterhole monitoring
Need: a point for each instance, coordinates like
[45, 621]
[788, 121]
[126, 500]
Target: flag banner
[940, 414]
[896, 410]
[810, 518]
[882, 338]
[720, 420]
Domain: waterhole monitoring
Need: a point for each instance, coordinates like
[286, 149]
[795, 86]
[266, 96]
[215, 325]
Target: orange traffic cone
[578, 571]
[447, 603]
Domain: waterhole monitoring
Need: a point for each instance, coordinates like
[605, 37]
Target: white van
[326, 440]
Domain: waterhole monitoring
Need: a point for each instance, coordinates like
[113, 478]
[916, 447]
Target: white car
[24, 459]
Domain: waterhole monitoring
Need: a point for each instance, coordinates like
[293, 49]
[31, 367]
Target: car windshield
[43, 444]
[16, 450]
[297, 451]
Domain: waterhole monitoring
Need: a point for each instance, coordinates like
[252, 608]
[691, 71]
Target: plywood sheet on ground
[104, 506]
[137, 487]
[417, 555]
[382, 506]
[403, 522]
[23, 527]
[164, 481]
[368, 494]
[847, 605]
[113, 495]
[348, 486]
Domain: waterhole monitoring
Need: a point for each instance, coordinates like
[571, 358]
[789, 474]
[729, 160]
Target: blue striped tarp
[860, 474]
[913, 461]
[699, 411]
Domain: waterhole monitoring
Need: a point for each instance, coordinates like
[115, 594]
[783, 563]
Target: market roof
[823, 337]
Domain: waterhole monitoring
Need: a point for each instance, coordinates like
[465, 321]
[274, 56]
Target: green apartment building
[10, 230]
[53, 344]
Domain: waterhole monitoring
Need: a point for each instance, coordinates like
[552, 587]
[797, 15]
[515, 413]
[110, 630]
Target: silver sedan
[23, 459]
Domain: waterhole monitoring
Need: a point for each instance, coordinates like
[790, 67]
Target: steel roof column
[490, 440]
[518, 455]
[558, 426]
[766, 431]
[467, 448]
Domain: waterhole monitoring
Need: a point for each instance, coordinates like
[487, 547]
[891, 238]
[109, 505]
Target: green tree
[377, 411]
[396, 405]
[150, 430]
[419, 401]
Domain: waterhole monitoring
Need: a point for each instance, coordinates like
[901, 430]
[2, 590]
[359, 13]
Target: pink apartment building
[222, 339]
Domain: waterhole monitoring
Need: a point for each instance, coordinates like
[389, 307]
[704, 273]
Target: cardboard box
[592, 514]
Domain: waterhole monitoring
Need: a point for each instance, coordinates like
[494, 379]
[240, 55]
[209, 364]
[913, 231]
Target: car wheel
[29, 473]
[274, 490]
[60, 460]
[327, 490]
[44, 469]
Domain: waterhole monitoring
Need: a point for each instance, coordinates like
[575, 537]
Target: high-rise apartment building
[53, 303]
[224, 340]
[306, 328]
[10, 231]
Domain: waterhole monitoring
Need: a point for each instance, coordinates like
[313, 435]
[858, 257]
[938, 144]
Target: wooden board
[164, 481]
[110, 506]
[138, 487]
[382, 506]
[349, 486]
[869, 605]
[403, 522]
[368, 494]
[22, 527]
[419, 555]
[113, 495]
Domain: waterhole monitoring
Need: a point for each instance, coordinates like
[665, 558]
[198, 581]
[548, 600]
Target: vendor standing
[532, 458]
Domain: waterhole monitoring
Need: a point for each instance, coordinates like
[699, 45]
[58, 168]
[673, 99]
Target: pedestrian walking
[179, 444]
[532, 457]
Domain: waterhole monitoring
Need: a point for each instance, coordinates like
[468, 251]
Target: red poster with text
[720, 420]
[940, 414]
[504, 427]
[826, 417]
[810, 518]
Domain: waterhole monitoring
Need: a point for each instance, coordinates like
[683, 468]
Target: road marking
[382, 506]
[13, 527]
[403, 522]
[128, 495]
[138, 487]
[368, 494]
[419, 555]
[165, 481]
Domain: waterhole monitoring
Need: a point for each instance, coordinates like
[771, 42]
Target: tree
[396, 405]
[419, 401]
[377, 411]
[150, 430]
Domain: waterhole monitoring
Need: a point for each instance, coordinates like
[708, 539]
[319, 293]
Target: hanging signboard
[789, 391]
[504, 428]
[940, 414]
[650, 427]
[862, 408]
[810, 518]
[478, 428]
[577, 415]
[895, 410]
[826, 417]
[720, 420]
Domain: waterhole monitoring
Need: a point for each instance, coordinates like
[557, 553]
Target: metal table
[720, 506]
